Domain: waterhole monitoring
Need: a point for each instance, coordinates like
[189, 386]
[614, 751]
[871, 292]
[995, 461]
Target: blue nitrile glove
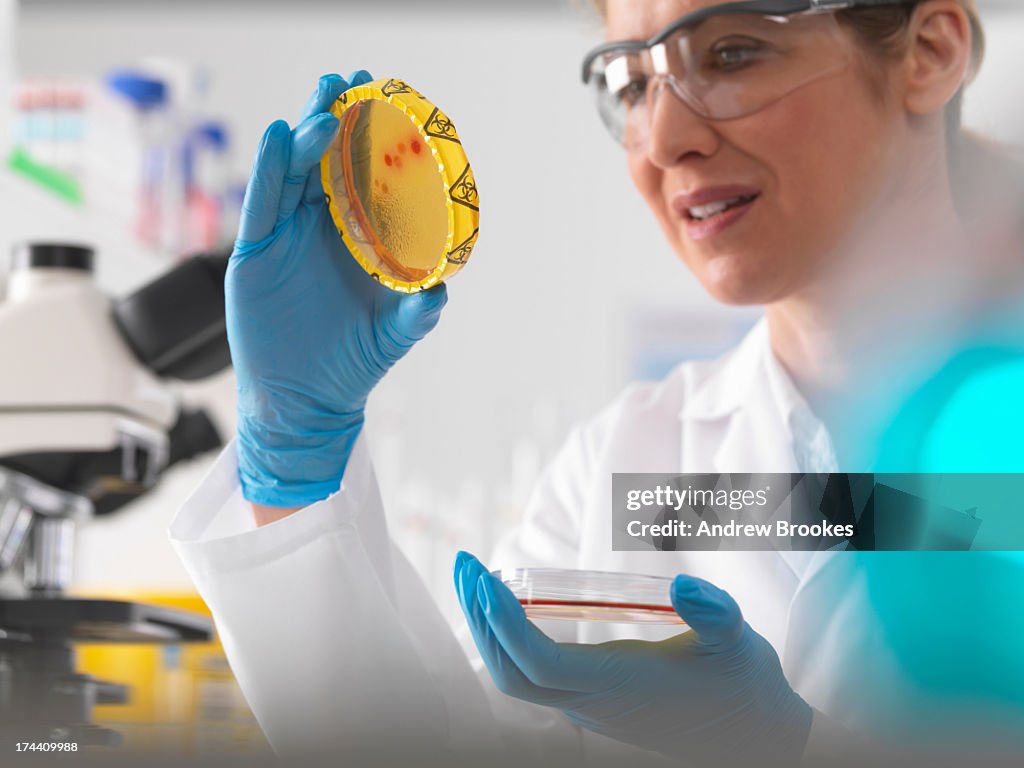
[310, 332]
[714, 696]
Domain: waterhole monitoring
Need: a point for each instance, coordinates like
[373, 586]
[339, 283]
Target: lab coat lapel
[731, 422]
[731, 419]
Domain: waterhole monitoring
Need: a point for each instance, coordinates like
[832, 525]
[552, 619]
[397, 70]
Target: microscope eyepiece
[175, 325]
[52, 256]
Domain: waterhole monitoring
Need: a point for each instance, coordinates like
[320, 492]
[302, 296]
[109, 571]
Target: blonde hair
[881, 29]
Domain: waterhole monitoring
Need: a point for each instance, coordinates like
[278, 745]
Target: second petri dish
[556, 593]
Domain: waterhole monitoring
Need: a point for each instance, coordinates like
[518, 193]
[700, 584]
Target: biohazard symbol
[460, 254]
[439, 126]
[393, 87]
[464, 190]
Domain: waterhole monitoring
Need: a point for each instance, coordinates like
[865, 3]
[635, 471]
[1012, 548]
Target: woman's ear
[938, 53]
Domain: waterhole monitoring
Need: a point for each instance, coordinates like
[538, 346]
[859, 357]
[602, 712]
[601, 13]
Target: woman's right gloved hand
[311, 333]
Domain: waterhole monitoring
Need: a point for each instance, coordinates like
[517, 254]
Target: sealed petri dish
[556, 593]
[399, 186]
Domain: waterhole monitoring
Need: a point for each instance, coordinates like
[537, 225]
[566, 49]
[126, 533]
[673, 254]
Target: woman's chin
[733, 284]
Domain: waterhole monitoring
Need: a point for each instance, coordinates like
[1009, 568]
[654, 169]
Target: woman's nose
[676, 131]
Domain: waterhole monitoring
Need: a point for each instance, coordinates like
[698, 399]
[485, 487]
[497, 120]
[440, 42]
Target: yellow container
[182, 698]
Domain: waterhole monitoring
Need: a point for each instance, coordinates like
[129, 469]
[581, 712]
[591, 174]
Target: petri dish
[556, 593]
[399, 186]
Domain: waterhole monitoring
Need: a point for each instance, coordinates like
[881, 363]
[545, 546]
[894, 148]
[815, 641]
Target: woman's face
[816, 160]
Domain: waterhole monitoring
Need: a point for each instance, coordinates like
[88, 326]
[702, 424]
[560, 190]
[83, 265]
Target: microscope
[88, 423]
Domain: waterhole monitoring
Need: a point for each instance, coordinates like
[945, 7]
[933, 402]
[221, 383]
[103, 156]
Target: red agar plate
[556, 593]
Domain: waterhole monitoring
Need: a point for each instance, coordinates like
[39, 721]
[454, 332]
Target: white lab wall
[993, 104]
[540, 331]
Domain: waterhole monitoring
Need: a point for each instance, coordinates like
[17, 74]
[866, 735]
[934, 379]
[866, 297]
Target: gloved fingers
[400, 324]
[360, 77]
[309, 141]
[328, 89]
[545, 663]
[506, 675]
[711, 612]
[263, 193]
[313, 191]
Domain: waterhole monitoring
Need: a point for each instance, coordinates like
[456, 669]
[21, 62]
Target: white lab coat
[337, 645]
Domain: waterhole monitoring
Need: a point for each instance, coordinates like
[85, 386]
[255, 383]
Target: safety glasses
[723, 62]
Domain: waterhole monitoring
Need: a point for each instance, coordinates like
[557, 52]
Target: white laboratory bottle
[206, 185]
[158, 205]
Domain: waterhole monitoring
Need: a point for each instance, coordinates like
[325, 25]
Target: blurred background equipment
[87, 424]
[136, 145]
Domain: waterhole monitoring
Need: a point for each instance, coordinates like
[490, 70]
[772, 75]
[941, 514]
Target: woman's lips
[703, 229]
[698, 209]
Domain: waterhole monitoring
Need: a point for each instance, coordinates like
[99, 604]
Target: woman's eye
[731, 57]
[633, 92]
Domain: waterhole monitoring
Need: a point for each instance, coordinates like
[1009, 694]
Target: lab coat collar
[751, 376]
[728, 381]
[750, 386]
[730, 417]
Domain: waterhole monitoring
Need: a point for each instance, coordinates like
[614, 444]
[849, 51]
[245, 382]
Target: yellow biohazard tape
[460, 194]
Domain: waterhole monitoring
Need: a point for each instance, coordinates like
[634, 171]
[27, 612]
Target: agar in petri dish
[556, 593]
[399, 186]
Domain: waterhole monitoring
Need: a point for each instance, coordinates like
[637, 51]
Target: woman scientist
[797, 155]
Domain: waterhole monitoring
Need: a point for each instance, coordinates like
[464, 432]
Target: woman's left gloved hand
[713, 696]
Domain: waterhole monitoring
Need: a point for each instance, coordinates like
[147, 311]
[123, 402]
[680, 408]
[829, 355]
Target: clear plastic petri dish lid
[556, 593]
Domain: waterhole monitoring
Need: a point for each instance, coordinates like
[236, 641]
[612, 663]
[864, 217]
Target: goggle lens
[727, 66]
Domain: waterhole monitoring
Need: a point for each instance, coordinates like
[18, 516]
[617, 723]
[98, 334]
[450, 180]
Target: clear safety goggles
[723, 62]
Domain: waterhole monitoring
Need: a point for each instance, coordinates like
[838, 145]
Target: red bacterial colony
[395, 160]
